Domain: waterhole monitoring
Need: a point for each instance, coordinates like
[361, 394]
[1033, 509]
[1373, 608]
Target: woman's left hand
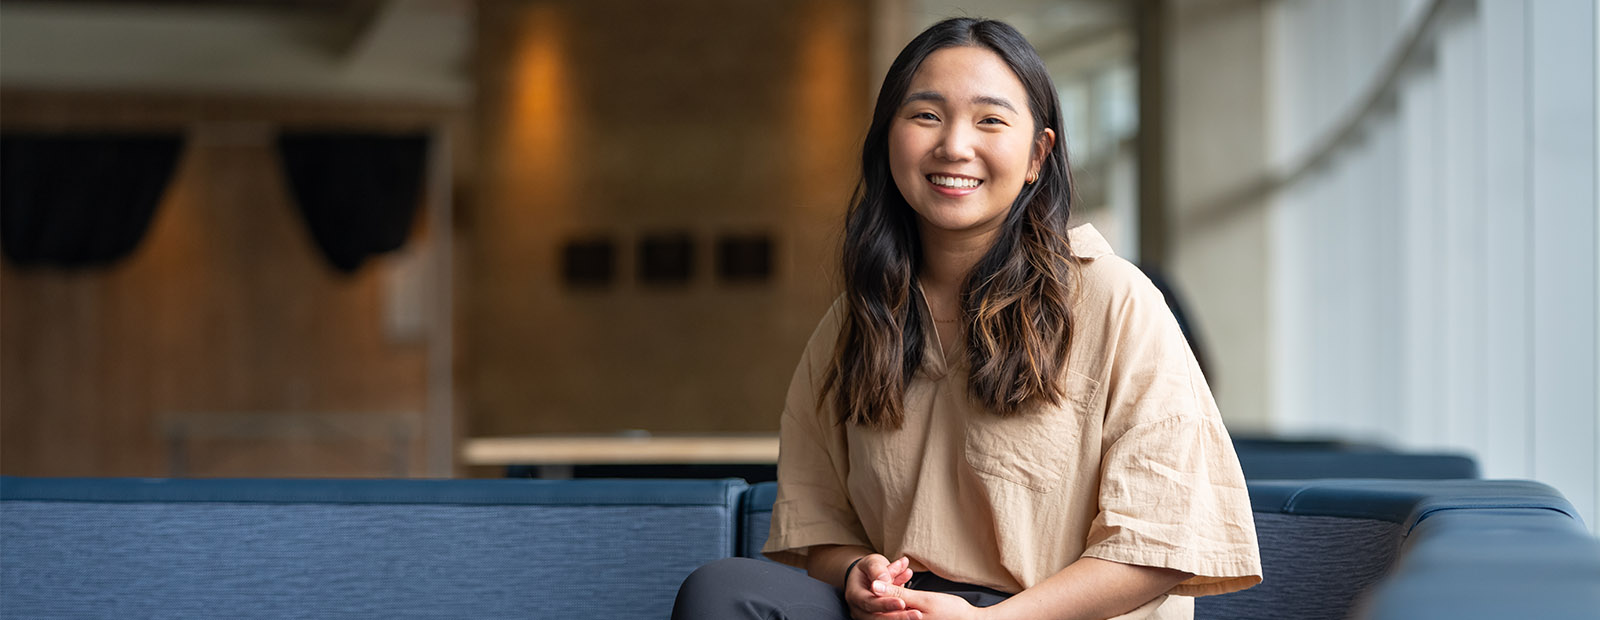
[931, 605]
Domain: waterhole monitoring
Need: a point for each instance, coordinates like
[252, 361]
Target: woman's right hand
[867, 605]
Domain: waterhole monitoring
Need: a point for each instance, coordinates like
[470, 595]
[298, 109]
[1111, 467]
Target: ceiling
[410, 50]
[415, 50]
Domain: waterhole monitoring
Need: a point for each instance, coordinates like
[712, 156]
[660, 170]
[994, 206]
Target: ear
[1041, 150]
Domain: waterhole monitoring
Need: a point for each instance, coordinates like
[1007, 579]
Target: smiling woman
[1000, 404]
[959, 149]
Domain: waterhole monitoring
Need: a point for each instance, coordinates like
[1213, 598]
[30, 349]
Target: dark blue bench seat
[134, 548]
[1390, 549]
[121, 548]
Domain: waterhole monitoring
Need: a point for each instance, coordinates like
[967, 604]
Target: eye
[924, 116]
[993, 120]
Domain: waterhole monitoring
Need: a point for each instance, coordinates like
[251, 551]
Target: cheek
[903, 157]
[1016, 159]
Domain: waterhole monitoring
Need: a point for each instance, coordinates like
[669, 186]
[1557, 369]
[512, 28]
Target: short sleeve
[1172, 494]
[813, 505]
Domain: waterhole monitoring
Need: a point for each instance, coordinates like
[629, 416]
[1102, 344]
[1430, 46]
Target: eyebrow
[928, 95]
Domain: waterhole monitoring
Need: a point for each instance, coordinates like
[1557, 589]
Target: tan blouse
[1135, 467]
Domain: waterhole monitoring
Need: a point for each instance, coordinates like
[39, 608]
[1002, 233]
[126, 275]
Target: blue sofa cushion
[128, 548]
[1328, 545]
[756, 522]
[1325, 544]
[1406, 502]
[1312, 567]
[756, 518]
[1492, 563]
[1291, 465]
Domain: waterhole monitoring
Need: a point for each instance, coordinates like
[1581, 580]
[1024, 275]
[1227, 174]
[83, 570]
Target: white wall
[1216, 150]
[1435, 243]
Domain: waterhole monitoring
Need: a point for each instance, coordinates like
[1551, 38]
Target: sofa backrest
[1390, 549]
[1325, 544]
[130, 548]
[115, 548]
[1311, 464]
[1315, 564]
[755, 518]
[1245, 442]
[1511, 562]
[1313, 567]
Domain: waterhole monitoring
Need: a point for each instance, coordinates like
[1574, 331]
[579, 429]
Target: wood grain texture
[627, 119]
[592, 450]
[225, 307]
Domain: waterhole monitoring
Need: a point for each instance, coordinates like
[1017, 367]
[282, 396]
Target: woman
[1001, 405]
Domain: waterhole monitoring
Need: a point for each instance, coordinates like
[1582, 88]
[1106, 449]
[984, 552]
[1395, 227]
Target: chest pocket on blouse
[1032, 448]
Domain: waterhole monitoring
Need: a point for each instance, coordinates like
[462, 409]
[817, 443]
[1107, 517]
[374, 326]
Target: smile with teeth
[953, 182]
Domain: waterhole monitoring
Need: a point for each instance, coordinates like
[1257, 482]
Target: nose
[954, 144]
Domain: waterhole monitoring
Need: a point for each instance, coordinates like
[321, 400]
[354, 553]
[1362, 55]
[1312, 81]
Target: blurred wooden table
[625, 449]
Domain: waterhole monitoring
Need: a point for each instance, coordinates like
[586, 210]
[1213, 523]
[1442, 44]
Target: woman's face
[962, 143]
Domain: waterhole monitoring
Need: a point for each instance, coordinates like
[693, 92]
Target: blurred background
[302, 238]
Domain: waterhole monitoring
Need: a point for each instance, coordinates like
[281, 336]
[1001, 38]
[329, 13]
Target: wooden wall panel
[625, 119]
[622, 119]
[225, 308]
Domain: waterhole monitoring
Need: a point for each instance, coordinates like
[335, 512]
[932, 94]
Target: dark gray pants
[758, 590]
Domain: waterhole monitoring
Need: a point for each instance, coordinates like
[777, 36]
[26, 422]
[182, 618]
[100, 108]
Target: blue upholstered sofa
[136, 548]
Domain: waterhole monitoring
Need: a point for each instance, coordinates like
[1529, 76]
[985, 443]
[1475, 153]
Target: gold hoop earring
[1033, 177]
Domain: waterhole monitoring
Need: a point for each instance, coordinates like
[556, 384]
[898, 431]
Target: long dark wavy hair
[1014, 303]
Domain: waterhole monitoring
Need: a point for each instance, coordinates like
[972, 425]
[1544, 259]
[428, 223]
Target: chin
[956, 226]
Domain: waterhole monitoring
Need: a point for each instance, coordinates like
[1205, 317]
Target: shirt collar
[1088, 243]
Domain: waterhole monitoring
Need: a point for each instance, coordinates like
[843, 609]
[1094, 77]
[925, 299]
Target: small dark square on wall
[744, 258]
[666, 258]
[589, 262]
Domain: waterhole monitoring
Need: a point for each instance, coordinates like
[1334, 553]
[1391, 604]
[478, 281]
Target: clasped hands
[875, 590]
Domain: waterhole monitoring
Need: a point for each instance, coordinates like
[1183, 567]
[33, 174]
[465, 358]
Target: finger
[882, 604]
[865, 571]
[899, 571]
[872, 603]
[873, 564]
[906, 614]
[889, 590]
[891, 569]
